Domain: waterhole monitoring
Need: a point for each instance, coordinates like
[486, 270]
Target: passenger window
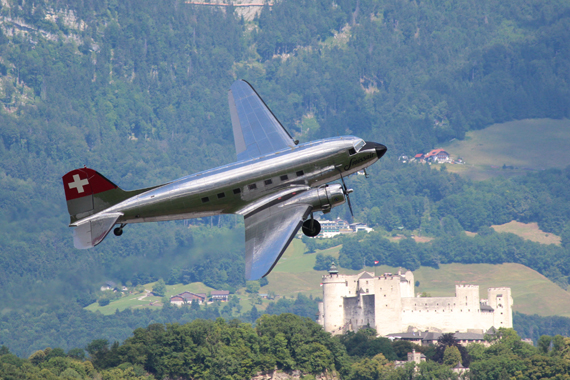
[221, 195]
[237, 191]
[284, 177]
[205, 199]
[300, 173]
[268, 182]
[252, 186]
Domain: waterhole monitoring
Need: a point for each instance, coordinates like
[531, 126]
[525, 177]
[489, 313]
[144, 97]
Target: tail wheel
[118, 231]
[311, 227]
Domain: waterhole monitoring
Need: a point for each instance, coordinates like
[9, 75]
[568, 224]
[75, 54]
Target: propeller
[346, 191]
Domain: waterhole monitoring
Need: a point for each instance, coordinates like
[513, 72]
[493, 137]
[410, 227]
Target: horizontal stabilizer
[92, 231]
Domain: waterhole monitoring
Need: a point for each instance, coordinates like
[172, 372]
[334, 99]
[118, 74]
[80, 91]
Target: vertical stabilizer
[88, 192]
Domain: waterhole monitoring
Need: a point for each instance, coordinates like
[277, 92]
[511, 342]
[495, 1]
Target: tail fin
[87, 192]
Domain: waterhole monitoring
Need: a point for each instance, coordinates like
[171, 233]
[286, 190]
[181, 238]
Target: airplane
[276, 184]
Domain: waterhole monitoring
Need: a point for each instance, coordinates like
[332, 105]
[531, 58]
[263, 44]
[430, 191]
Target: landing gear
[119, 230]
[311, 227]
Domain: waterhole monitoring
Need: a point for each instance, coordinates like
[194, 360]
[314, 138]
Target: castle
[388, 304]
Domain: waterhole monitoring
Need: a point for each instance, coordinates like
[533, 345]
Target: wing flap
[256, 130]
[267, 235]
[92, 231]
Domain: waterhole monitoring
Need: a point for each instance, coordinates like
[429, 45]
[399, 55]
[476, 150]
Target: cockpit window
[359, 145]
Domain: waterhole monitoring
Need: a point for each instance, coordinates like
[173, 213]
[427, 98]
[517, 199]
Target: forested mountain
[137, 91]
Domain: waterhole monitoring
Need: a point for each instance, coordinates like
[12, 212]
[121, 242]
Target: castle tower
[501, 300]
[335, 288]
[468, 306]
[388, 305]
[467, 296]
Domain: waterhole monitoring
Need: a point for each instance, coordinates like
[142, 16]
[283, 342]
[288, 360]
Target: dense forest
[137, 91]
[69, 326]
[221, 349]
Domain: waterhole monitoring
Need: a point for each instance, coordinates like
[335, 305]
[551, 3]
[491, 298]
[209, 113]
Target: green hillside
[146, 299]
[513, 148]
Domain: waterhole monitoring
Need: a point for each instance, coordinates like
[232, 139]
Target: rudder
[88, 192]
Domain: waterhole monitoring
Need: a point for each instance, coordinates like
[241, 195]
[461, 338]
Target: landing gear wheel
[118, 231]
[311, 227]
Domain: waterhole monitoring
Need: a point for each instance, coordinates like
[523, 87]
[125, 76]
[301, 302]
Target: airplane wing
[256, 130]
[268, 232]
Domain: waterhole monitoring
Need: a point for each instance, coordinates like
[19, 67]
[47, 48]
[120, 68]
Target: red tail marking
[83, 182]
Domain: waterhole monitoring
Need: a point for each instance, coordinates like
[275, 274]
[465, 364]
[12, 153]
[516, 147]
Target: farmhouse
[187, 298]
[437, 156]
[387, 303]
[220, 295]
[108, 285]
[177, 300]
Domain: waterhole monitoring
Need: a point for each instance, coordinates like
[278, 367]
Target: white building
[360, 227]
[387, 303]
[331, 228]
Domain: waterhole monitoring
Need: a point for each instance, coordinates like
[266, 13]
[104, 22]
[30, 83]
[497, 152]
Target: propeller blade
[346, 191]
[343, 184]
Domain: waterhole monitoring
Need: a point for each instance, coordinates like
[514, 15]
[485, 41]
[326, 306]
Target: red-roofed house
[438, 156]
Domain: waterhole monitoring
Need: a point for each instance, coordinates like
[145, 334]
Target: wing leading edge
[256, 130]
[268, 232]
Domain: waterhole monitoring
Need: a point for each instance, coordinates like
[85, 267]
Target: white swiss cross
[78, 183]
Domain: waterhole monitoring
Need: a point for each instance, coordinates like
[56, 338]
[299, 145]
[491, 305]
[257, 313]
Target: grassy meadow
[528, 231]
[525, 145]
[144, 300]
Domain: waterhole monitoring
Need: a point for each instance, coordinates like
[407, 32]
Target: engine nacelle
[323, 198]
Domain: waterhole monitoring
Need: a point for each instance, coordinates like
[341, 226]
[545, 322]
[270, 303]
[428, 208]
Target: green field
[526, 145]
[529, 231]
[532, 292]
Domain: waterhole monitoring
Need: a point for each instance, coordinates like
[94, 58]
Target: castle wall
[387, 303]
[368, 310]
[359, 312]
[388, 306]
[444, 314]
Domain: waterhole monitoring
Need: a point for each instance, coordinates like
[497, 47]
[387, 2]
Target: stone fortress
[388, 304]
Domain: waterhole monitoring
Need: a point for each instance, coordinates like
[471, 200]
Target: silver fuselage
[231, 188]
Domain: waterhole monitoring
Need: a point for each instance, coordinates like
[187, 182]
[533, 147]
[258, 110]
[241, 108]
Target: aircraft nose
[380, 149]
